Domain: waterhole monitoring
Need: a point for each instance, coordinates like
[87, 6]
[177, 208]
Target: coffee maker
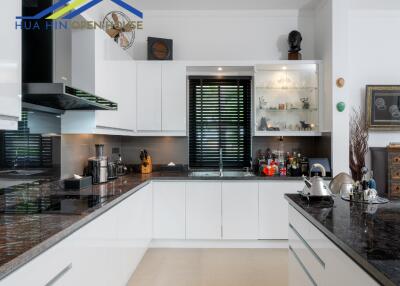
[98, 166]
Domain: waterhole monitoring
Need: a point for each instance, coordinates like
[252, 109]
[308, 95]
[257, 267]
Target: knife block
[146, 167]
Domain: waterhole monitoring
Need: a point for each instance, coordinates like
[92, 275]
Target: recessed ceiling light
[58, 116]
[220, 69]
[284, 68]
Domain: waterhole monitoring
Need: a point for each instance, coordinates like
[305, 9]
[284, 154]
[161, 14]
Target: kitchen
[174, 154]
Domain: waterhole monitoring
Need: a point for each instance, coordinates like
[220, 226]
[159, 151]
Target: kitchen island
[361, 234]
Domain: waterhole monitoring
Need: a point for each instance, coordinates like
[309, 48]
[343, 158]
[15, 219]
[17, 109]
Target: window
[30, 150]
[219, 117]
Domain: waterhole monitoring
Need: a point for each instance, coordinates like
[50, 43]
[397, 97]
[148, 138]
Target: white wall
[226, 35]
[220, 34]
[374, 58]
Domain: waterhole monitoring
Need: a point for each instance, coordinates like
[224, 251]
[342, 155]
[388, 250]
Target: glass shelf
[292, 110]
[286, 88]
[287, 99]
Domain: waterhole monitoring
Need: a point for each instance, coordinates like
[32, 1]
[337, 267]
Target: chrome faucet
[15, 162]
[221, 163]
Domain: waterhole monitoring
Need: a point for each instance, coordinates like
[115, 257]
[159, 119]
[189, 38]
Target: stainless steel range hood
[46, 66]
[63, 97]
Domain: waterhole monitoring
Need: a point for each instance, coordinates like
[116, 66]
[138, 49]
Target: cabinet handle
[59, 275]
[308, 246]
[302, 266]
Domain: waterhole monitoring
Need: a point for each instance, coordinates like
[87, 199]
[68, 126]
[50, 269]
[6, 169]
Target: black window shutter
[33, 150]
[220, 117]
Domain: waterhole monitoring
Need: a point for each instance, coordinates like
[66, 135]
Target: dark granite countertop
[368, 234]
[25, 236]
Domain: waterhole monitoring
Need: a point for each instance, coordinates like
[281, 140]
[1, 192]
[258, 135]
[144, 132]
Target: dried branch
[358, 143]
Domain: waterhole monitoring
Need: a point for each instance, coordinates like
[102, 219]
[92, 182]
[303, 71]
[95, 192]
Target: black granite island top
[368, 234]
[25, 236]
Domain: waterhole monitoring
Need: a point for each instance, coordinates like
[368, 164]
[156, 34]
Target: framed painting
[383, 107]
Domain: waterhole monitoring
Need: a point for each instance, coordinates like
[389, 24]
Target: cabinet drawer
[50, 268]
[394, 189]
[395, 173]
[315, 239]
[309, 259]
[394, 159]
[298, 274]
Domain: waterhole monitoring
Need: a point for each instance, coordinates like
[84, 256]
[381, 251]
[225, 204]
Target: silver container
[112, 170]
[99, 170]
[342, 184]
[98, 166]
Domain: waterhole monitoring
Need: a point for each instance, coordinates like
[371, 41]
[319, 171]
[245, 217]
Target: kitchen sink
[216, 174]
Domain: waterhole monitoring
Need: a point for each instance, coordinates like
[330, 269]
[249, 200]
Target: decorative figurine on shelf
[294, 41]
[263, 124]
[306, 102]
[305, 126]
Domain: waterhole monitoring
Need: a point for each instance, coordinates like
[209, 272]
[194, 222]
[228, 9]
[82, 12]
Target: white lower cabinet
[53, 267]
[106, 251]
[273, 208]
[134, 231]
[239, 210]
[203, 210]
[169, 211]
[315, 260]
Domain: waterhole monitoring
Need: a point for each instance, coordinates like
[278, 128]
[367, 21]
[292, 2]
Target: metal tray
[376, 201]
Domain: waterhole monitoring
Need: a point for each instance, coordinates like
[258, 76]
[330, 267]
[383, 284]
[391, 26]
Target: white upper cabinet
[239, 210]
[10, 67]
[101, 67]
[149, 96]
[174, 97]
[287, 99]
[161, 98]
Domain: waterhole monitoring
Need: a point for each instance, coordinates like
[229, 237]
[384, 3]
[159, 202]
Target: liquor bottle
[304, 166]
[288, 165]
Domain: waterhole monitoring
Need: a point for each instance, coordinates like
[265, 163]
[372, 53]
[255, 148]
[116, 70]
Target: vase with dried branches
[358, 143]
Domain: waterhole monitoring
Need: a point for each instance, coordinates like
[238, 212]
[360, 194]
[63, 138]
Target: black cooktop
[48, 204]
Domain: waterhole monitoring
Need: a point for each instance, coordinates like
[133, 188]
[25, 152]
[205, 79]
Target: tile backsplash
[76, 149]
[162, 149]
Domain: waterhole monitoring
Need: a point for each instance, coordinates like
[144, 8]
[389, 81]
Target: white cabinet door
[133, 235]
[149, 96]
[101, 67]
[10, 67]
[273, 221]
[239, 210]
[174, 97]
[116, 80]
[98, 260]
[169, 210]
[203, 210]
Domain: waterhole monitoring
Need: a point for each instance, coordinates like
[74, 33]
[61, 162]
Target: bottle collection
[364, 190]
[276, 163]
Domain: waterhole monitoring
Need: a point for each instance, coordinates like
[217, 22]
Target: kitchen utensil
[316, 187]
[98, 166]
[121, 168]
[112, 170]
[77, 184]
[146, 167]
[341, 184]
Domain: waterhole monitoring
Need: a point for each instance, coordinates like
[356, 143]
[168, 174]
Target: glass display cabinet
[287, 100]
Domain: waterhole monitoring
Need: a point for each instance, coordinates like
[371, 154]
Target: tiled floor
[212, 267]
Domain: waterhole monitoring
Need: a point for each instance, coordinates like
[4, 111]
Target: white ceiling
[224, 4]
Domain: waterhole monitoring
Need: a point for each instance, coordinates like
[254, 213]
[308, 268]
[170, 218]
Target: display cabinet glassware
[287, 100]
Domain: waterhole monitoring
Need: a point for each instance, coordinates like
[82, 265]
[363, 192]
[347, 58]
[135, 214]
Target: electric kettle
[316, 187]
